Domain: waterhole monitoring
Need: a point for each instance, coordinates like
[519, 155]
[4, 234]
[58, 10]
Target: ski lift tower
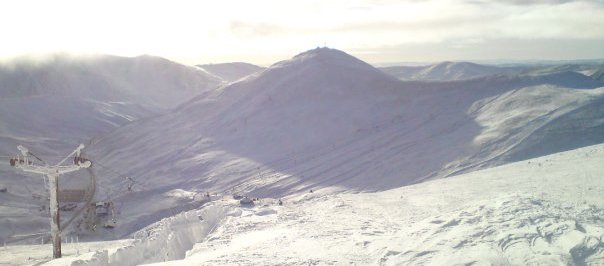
[52, 173]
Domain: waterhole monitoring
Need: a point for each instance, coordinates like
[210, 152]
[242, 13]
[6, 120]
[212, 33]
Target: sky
[266, 31]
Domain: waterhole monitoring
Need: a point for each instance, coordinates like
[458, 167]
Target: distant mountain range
[447, 71]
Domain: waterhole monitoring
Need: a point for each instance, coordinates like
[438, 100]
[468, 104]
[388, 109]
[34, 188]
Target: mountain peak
[319, 55]
[328, 54]
[322, 57]
[322, 52]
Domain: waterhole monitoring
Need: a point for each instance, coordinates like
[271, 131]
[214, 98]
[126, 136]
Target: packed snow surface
[543, 211]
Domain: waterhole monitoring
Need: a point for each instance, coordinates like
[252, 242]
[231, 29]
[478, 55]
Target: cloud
[485, 49]
[228, 28]
[251, 29]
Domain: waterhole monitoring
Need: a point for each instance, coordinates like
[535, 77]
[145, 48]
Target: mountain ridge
[231, 72]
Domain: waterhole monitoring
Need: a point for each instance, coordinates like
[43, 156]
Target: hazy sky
[265, 31]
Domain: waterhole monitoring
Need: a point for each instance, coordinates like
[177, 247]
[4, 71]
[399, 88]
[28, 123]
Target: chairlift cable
[30, 153]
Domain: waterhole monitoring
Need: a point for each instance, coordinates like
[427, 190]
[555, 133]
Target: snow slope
[326, 120]
[543, 211]
[230, 72]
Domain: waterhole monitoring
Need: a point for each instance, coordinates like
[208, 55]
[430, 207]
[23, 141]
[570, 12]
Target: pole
[55, 223]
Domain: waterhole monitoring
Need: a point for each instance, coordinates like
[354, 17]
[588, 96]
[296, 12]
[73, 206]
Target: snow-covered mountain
[588, 69]
[52, 105]
[326, 120]
[147, 80]
[230, 72]
[73, 97]
[448, 71]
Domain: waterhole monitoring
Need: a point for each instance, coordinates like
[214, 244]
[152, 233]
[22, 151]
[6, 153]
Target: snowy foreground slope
[546, 211]
[543, 211]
